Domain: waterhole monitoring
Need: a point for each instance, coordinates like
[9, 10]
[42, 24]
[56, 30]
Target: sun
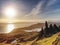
[10, 12]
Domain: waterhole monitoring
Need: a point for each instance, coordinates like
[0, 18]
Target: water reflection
[10, 27]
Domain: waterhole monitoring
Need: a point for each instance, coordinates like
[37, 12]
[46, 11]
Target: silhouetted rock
[51, 30]
[55, 28]
[46, 29]
[46, 25]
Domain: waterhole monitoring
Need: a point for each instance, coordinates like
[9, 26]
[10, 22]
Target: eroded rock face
[57, 41]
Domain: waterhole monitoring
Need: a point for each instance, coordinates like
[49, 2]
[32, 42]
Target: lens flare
[10, 12]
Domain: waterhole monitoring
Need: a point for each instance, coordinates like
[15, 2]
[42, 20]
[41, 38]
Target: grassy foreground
[45, 41]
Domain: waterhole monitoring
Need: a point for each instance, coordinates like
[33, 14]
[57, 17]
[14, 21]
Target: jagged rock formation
[49, 30]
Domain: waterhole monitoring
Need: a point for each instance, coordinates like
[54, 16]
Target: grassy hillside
[46, 41]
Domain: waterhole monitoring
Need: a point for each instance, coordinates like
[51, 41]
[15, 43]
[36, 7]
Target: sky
[32, 10]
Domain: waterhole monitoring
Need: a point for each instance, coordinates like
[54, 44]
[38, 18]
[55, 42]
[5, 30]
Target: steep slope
[57, 41]
[48, 41]
[20, 30]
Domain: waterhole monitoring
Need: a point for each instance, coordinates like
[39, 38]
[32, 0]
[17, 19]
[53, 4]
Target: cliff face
[20, 30]
[20, 33]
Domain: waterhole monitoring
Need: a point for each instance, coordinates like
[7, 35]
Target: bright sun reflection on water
[10, 27]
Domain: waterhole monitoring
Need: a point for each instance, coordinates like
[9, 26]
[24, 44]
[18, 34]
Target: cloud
[41, 6]
[50, 2]
[40, 11]
[35, 10]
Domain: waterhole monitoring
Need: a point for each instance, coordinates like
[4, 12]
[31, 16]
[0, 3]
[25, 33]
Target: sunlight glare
[10, 27]
[10, 12]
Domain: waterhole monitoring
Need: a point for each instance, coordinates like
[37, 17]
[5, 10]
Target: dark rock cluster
[49, 30]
